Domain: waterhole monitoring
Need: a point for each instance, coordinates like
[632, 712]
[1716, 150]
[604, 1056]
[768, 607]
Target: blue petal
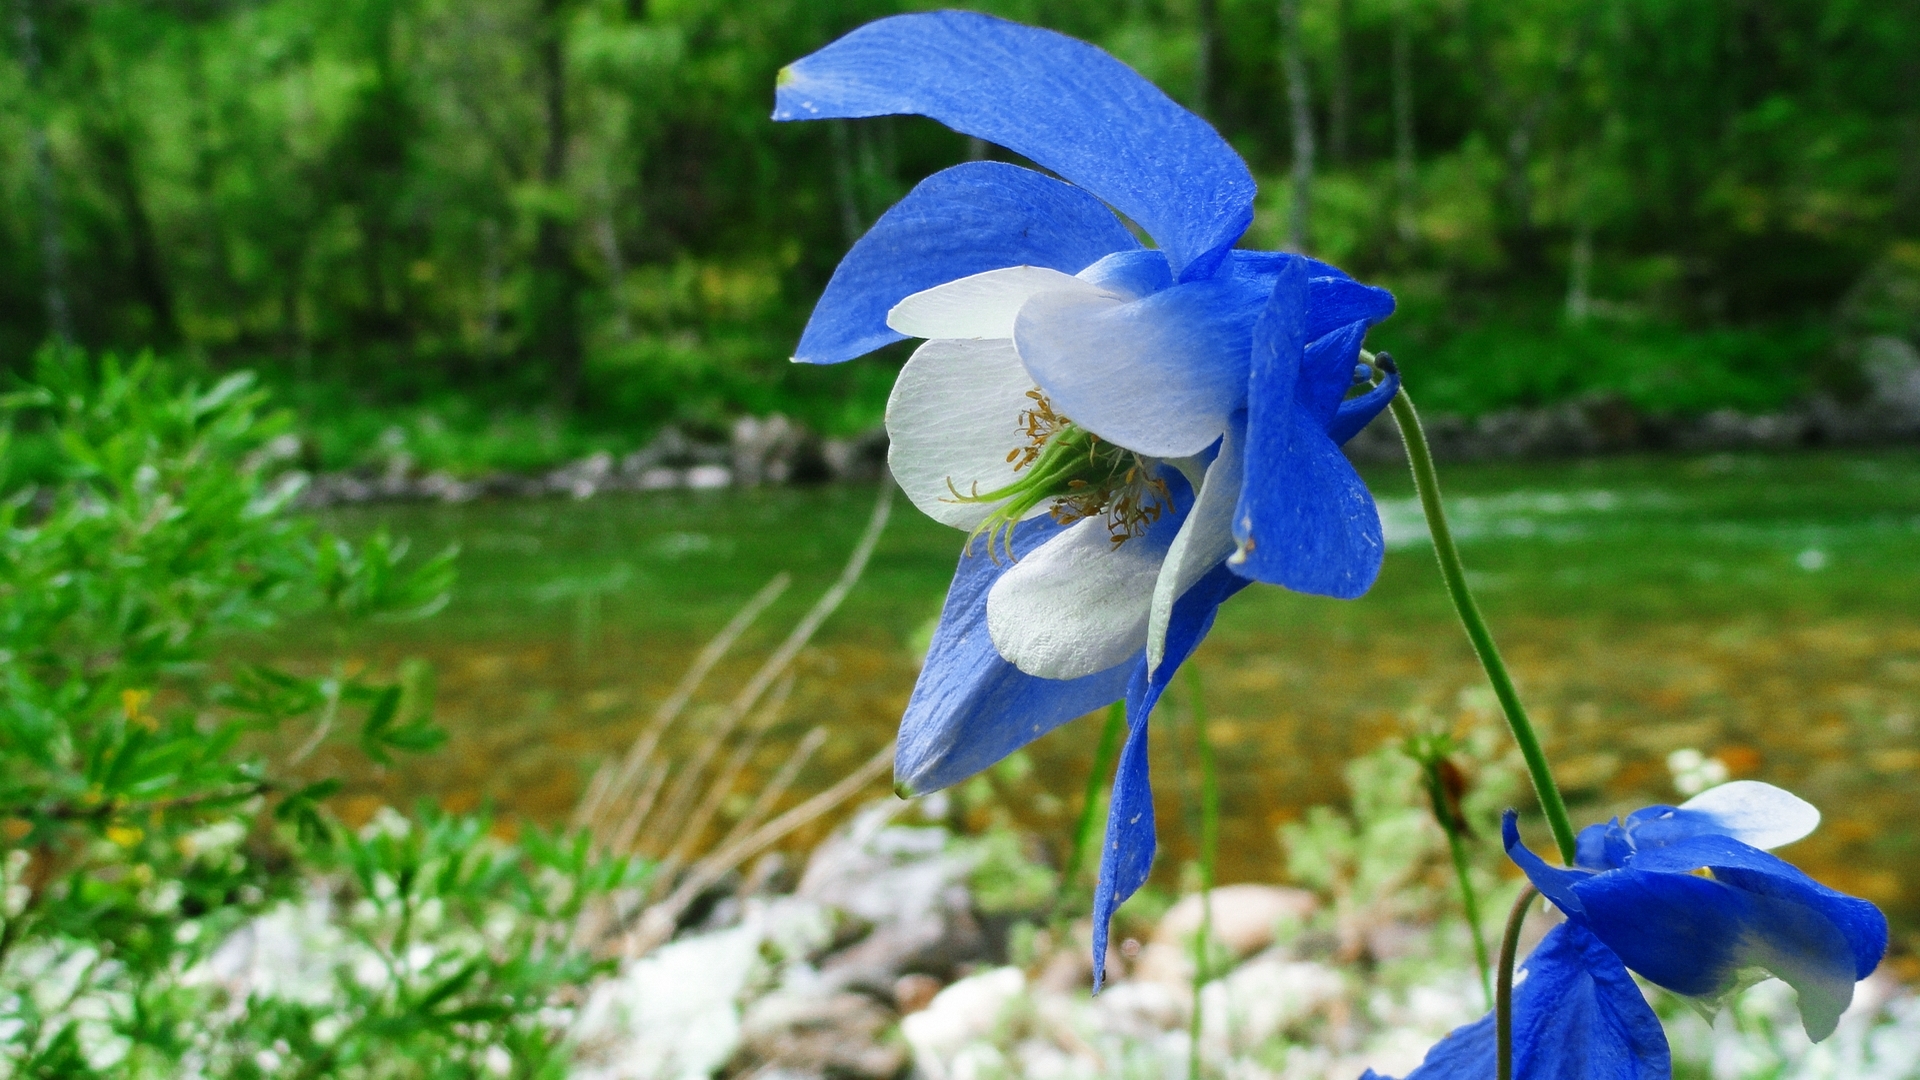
[970, 707]
[1754, 871]
[1267, 264]
[1127, 854]
[1578, 1016]
[966, 220]
[1678, 930]
[1355, 414]
[1334, 302]
[1592, 850]
[1135, 273]
[1326, 372]
[1554, 884]
[1333, 298]
[1696, 935]
[1062, 103]
[1305, 518]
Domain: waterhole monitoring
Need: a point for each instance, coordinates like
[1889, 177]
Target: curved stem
[1457, 845]
[1503, 993]
[1427, 482]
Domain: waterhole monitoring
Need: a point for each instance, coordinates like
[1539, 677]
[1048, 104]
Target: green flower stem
[1420, 458]
[1457, 846]
[1083, 831]
[1503, 997]
[1209, 845]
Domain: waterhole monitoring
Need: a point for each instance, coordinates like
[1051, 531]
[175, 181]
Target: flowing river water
[1762, 610]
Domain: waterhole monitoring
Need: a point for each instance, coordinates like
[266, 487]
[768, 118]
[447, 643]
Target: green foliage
[381, 199]
[1383, 860]
[140, 837]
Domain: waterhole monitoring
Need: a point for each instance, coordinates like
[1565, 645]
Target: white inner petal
[980, 306]
[1757, 813]
[1075, 605]
[1144, 374]
[953, 416]
[1205, 538]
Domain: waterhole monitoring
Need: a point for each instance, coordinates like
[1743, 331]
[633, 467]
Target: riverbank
[774, 449]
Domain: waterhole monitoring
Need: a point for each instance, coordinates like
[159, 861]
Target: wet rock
[708, 477]
[968, 1012]
[775, 450]
[1244, 919]
[840, 1034]
[914, 992]
[905, 883]
[671, 1014]
[1262, 999]
[1728, 429]
[861, 458]
[584, 478]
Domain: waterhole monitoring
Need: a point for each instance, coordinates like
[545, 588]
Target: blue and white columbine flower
[1688, 898]
[1131, 434]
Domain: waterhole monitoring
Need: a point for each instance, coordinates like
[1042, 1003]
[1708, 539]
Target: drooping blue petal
[1305, 518]
[1126, 855]
[1678, 930]
[1159, 375]
[1060, 102]
[1577, 1016]
[970, 707]
[1356, 413]
[1751, 870]
[1695, 935]
[1555, 884]
[969, 219]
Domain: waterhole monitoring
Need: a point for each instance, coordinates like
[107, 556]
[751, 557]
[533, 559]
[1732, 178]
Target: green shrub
[139, 834]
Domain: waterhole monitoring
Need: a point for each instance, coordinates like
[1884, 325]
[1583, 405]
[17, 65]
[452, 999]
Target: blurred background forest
[557, 220]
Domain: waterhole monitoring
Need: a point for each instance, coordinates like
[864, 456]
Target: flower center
[1082, 474]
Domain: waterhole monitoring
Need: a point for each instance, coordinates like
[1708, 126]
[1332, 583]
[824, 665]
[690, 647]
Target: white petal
[1205, 538]
[1755, 813]
[1075, 605]
[953, 415]
[979, 306]
[1159, 375]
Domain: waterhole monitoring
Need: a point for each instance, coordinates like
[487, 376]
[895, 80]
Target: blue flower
[1686, 897]
[1129, 434]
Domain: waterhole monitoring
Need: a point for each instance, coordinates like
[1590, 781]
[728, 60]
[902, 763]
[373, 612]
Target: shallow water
[1761, 609]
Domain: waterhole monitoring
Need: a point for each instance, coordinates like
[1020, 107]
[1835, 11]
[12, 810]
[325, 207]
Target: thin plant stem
[1503, 996]
[1471, 905]
[611, 785]
[1430, 752]
[1453, 571]
[1209, 849]
[1083, 830]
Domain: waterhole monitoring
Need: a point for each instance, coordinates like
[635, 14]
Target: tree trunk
[1580, 273]
[1403, 173]
[555, 299]
[844, 181]
[1294, 67]
[1524, 243]
[1340, 94]
[120, 175]
[608, 237]
[1205, 54]
[53, 251]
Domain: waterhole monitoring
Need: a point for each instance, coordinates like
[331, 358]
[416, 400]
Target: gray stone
[837, 1034]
